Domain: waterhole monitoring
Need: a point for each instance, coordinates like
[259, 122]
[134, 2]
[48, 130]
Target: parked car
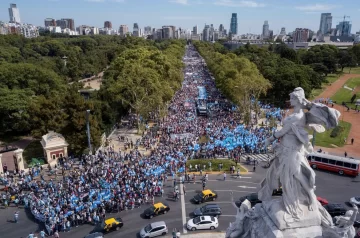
[322, 201]
[335, 209]
[156, 209]
[208, 210]
[205, 196]
[355, 200]
[252, 198]
[202, 223]
[95, 235]
[108, 225]
[154, 229]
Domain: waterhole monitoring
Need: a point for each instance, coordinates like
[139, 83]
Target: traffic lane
[26, 223]
[336, 188]
[244, 184]
[225, 200]
[133, 223]
[228, 210]
[224, 222]
[254, 177]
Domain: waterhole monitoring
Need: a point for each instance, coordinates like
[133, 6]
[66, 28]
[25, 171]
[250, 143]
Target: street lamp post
[64, 58]
[88, 130]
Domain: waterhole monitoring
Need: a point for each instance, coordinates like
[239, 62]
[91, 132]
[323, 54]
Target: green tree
[346, 59]
[74, 130]
[46, 114]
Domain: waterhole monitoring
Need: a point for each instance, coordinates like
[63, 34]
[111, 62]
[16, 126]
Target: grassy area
[33, 150]
[325, 140]
[353, 82]
[330, 79]
[344, 95]
[352, 71]
[215, 164]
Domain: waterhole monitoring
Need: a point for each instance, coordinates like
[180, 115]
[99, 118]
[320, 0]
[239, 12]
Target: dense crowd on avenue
[112, 181]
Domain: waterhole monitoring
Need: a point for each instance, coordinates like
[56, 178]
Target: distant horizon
[188, 13]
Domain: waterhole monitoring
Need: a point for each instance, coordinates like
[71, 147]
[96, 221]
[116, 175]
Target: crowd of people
[112, 181]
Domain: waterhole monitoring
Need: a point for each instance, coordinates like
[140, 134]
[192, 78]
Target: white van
[154, 229]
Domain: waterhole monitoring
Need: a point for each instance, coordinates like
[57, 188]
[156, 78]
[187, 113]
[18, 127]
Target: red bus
[334, 163]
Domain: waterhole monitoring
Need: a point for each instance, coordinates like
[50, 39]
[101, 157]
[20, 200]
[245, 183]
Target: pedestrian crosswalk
[259, 157]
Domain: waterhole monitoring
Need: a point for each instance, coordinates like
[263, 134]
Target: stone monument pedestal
[272, 216]
[267, 220]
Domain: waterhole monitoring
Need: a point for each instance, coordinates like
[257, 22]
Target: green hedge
[337, 131]
[333, 138]
[214, 164]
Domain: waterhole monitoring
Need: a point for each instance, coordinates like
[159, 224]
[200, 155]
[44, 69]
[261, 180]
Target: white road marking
[219, 217]
[246, 187]
[183, 212]
[237, 181]
[213, 202]
[215, 190]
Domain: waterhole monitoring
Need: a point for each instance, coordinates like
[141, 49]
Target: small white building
[54, 145]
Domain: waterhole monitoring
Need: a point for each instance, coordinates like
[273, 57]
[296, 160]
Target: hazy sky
[187, 13]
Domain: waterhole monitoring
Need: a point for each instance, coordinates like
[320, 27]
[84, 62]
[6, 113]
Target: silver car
[154, 229]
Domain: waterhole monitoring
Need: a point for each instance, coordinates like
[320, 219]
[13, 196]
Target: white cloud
[242, 3]
[182, 2]
[316, 7]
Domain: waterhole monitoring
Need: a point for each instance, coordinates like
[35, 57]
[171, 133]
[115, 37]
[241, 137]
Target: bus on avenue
[337, 164]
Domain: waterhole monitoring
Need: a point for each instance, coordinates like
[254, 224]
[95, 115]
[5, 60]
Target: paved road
[333, 187]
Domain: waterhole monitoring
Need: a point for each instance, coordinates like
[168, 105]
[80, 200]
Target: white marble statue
[297, 214]
[290, 168]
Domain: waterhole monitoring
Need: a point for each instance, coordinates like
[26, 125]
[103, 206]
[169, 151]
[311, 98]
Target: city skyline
[187, 13]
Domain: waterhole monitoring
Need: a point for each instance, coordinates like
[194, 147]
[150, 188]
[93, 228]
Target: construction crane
[343, 23]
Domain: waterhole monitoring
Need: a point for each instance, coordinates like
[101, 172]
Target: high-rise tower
[266, 31]
[14, 13]
[325, 23]
[108, 24]
[234, 24]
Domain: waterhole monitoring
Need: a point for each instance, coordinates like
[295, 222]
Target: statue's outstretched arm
[282, 131]
[277, 134]
[353, 216]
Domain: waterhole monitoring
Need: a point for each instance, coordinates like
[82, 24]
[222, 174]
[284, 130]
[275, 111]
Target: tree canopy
[35, 96]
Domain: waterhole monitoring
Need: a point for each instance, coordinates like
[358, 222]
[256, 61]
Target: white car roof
[205, 218]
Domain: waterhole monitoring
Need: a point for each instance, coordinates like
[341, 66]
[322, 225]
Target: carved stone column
[18, 159]
[1, 165]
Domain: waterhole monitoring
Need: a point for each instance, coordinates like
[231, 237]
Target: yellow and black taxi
[110, 224]
[205, 196]
[156, 209]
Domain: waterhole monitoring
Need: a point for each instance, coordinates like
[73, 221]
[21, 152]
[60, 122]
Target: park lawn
[353, 82]
[344, 95]
[330, 79]
[352, 71]
[33, 150]
[324, 139]
[215, 164]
